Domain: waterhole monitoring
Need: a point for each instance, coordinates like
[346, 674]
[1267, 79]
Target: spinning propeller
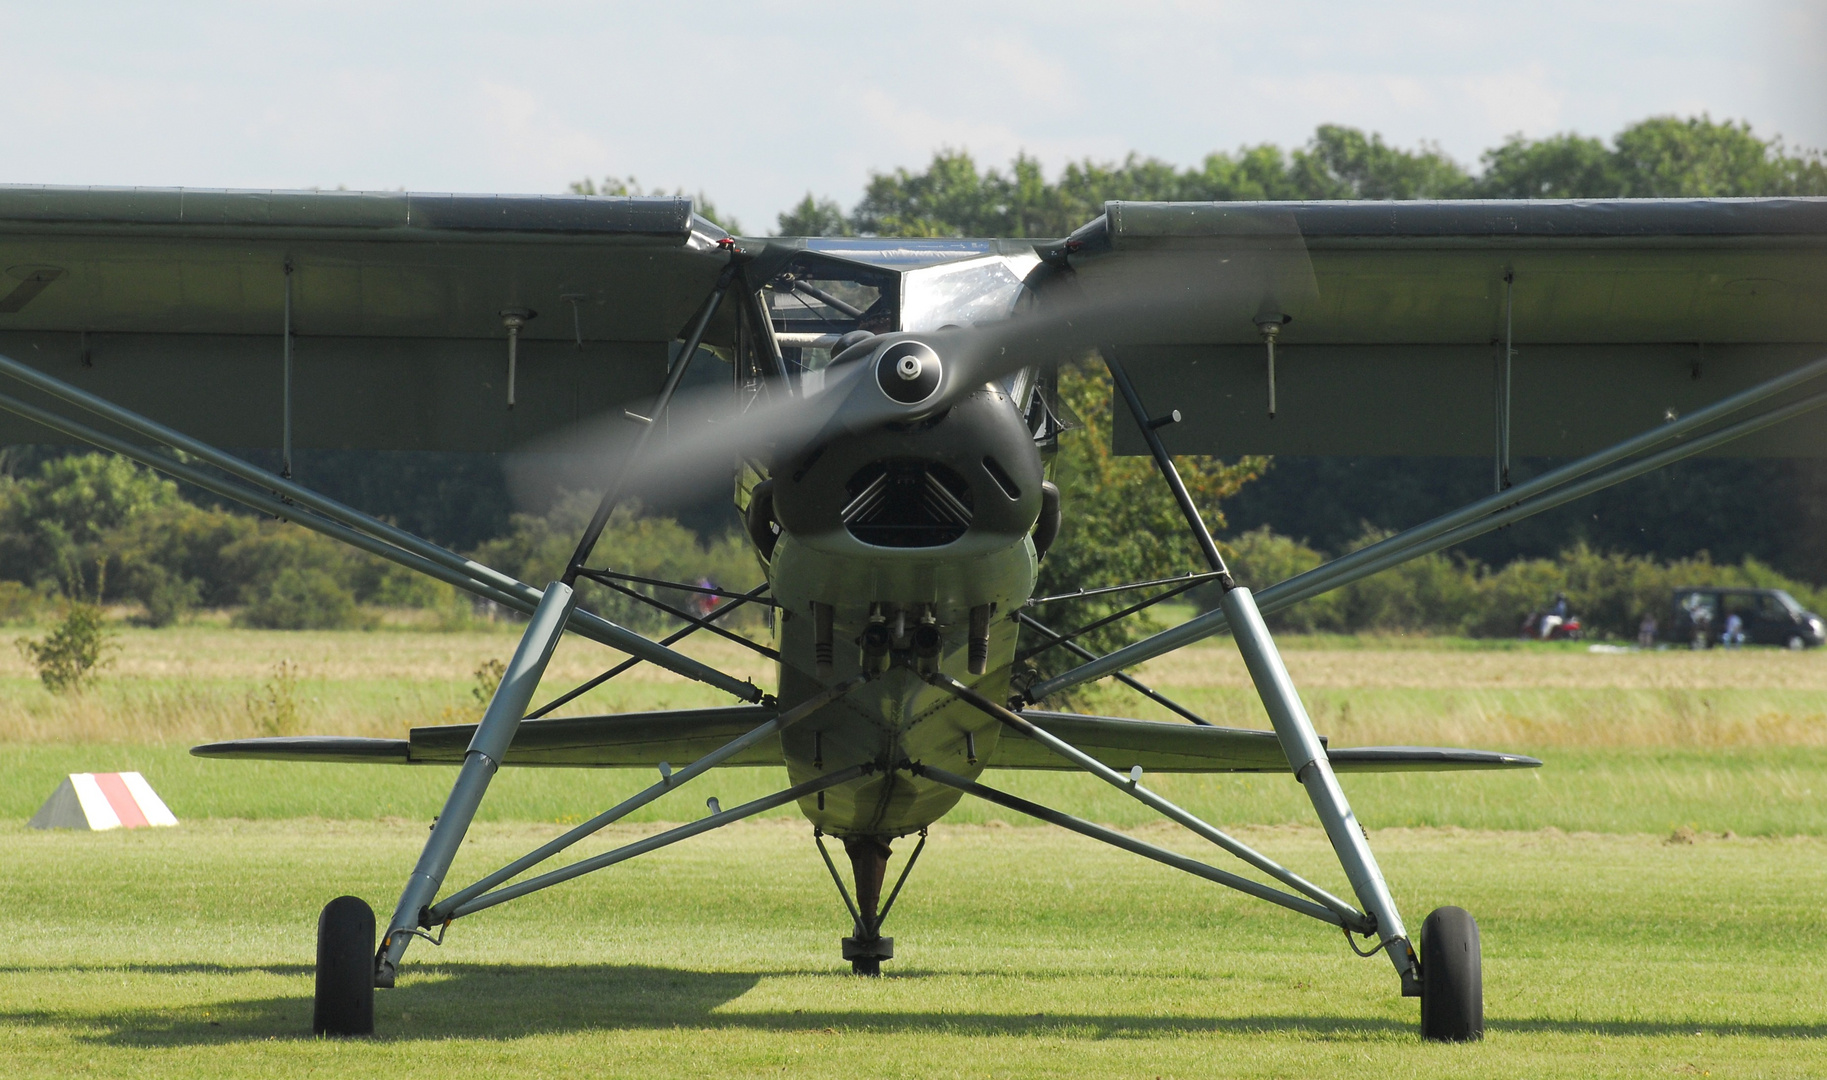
[1209, 282]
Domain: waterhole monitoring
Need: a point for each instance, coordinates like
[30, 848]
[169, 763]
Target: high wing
[1622, 314]
[174, 303]
[645, 739]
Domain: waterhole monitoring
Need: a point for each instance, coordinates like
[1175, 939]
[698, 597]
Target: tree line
[95, 529]
[1660, 157]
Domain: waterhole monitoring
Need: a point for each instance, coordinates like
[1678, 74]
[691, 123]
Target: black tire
[1452, 978]
[345, 969]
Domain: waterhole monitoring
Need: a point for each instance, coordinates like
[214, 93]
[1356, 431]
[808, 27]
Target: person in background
[1646, 631]
[1556, 616]
[1734, 634]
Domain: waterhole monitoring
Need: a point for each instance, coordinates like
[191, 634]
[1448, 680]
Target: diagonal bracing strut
[1140, 847]
[1073, 647]
[668, 782]
[1343, 913]
[693, 626]
[660, 840]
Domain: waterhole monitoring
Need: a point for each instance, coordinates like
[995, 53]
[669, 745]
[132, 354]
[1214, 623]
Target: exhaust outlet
[926, 644]
[875, 643]
[980, 638]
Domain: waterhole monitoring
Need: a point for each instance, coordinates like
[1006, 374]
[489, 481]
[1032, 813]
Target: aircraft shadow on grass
[509, 1001]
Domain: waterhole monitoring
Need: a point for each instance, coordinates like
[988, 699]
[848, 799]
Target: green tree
[1662, 157]
[814, 217]
[1558, 167]
[170, 559]
[1344, 163]
[289, 578]
[1658, 157]
[953, 197]
[53, 524]
[1665, 157]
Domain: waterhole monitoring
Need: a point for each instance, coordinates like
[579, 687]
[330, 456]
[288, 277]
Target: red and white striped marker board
[97, 801]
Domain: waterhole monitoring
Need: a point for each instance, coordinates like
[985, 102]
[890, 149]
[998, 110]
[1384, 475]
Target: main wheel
[345, 969]
[1452, 977]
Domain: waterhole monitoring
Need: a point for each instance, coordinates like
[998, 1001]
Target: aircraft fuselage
[901, 550]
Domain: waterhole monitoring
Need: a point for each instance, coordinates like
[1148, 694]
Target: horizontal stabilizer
[309, 748]
[620, 739]
[1424, 759]
[644, 739]
[1152, 744]
[1174, 747]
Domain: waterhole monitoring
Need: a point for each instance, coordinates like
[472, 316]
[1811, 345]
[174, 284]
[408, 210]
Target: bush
[170, 559]
[1260, 558]
[302, 599]
[274, 706]
[73, 652]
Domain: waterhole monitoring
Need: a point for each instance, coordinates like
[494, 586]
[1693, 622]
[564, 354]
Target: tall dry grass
[1512, 699]
[199, 683]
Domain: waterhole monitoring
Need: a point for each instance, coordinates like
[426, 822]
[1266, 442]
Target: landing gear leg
[869, 862]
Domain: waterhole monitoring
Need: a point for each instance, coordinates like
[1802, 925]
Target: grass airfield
[1649, 902]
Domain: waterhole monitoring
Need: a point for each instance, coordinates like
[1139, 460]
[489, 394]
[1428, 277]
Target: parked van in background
[1771, 617]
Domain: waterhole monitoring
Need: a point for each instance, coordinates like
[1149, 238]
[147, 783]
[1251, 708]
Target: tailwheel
[1452, 977]
[867, 953]
[869, 863]
[866, 948]
[345, 969]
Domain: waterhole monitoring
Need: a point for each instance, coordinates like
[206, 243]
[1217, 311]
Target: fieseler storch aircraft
[886, 410]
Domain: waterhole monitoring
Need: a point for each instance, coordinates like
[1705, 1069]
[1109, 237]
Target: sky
[757, 104]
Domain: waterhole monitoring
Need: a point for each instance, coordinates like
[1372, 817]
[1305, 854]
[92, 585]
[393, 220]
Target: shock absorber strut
[980, 638]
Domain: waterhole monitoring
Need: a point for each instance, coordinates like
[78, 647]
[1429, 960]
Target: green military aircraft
[887, 410]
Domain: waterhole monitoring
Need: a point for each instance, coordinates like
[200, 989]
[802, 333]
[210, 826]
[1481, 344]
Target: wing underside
[643, 740]
[177, 303]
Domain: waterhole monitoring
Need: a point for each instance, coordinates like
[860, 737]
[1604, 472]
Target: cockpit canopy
[816, 299]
